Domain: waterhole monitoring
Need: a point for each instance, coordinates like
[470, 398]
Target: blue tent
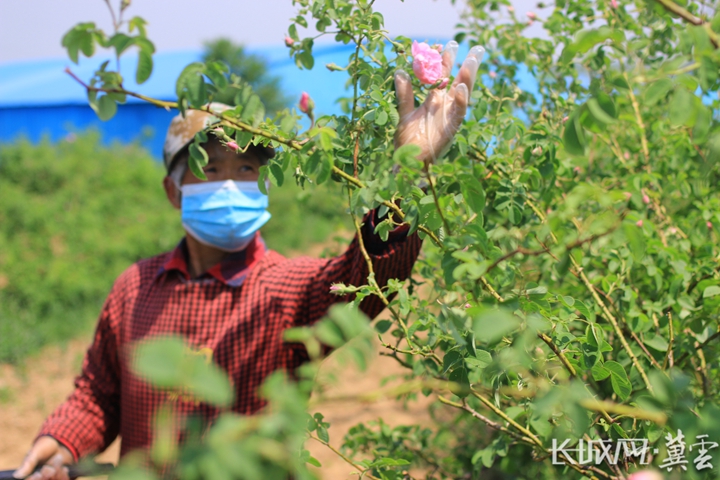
[38, 98]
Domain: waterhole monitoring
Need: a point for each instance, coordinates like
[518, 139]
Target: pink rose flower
[289, 42]
[565, 119]
[492, 74]
[531, 15]
[232, 145]
[709, 224]
[613, 3]
[306, 103]
[639, 223]
[537, 150]
[427, 63]
[626, 155]
[646, 199]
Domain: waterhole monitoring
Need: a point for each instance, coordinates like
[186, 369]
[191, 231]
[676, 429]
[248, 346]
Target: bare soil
[30, 392]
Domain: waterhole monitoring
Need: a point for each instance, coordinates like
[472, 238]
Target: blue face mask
[224, 215]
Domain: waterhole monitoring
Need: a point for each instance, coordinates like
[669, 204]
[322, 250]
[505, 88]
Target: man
[222, 290]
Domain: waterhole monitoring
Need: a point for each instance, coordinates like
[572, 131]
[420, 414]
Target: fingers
[43, 449]
[54, 469]
[57, 464]
[469, 68]
[448, 57]
[404, 93]
[459, 106]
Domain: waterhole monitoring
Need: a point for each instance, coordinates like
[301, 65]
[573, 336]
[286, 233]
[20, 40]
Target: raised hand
[433, 124]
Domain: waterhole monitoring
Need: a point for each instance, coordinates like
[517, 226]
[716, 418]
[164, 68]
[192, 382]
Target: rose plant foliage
[568, 286]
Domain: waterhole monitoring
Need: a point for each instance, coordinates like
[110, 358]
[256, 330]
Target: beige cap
[182, 130]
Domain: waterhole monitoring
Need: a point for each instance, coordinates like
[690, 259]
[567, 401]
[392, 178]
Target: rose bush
[569, 286]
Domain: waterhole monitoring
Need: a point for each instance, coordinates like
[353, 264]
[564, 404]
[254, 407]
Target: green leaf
[587, 39]
[658, 91]
[323, 434]
[657, 342]
[276, 175]
[636, 240]
[598, 112]
[450, 359]
[574, 137]
[480, 361]
[620, 383]
[196, 168]
[711, 291]
[510, 132]
[105, 107]
[326, 138]
[144, 67]
[381, 117]
[473, 192]
[138, 23]
[326, 164]
[703, 122]
[491, 325]
[169, 363]
[599, 372]
[383, 326]
[305, 59]
[682, 107]
[190, 83]
[407, 156]
[459, 376]
[583, 309]
[198, 153]
[120, 42]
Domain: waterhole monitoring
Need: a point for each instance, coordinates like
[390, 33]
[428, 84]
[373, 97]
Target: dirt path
[30, 393]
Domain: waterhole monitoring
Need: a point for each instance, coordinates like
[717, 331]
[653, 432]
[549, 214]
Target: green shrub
[72, 217]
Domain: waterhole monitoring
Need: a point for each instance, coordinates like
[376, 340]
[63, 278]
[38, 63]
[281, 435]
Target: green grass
[73, 216]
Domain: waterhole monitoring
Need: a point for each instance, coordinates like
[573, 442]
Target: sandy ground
[29, 393]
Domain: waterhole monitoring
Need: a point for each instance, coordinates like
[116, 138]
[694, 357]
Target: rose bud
[306, 103]
[342, 289]
[639, 223]
[232, 145]
[289, 42]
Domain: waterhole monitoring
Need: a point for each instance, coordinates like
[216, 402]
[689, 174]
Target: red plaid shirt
[238, 310]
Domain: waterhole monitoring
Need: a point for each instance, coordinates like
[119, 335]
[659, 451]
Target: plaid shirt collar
[232, 271]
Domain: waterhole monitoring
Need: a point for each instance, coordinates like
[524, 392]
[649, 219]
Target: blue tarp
[39, 99]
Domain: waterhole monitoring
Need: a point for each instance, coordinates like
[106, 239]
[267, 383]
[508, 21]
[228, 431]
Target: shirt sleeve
[88, 421]
[393, 258]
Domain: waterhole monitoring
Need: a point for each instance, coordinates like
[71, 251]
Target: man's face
[223, 164]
